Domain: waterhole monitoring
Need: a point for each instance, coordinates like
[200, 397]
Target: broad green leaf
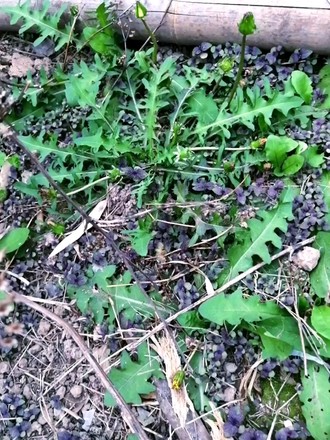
[14, 239]
[275, 348]
[284, 328]
[204, 107]
[233, 308]
[280, 336]
[129, 300]
[93, 296]
[101, 277]
[292, 164]
[191, 322]
[321, 320]
[99, 41]
[131, 379]
[320, 276]
[315, 399]
[261, 232]
[93, 300]
[277, 148]
[50, 147]
[313, 157]
[140, 242]
[2, 158]
[303, 85]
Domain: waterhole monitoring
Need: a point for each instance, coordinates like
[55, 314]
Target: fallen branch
[127, 413]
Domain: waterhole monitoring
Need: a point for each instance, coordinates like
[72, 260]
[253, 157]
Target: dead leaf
[95, 214]
[217, 425]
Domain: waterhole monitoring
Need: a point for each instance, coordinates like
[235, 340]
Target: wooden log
[290, 23]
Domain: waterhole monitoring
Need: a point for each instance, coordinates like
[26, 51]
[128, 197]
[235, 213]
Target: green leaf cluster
[44, 19]
[254, 242]
[132, 379]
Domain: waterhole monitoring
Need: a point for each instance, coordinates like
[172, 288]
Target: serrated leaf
[47, 22]
[131, 379]
[233, 308]
[320, 276]
[303, 85]
[140, 242]
[261, 232]
[129, 300]
[321, 320]
[315, 397]
[203, 106]
[247, 113]
[50, 147]
[14, 239]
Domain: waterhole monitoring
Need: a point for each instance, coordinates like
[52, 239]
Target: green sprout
[224, 66]
[140, 13]
[246, 27]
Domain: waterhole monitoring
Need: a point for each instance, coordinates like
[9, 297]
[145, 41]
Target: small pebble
[307, 259]
[230, 367]
[41, 420]
[35, 349]
[27, 392]
[44, 327]
[22, 363]
[61, 392]
[229, 394]
[76, 391]
[4, 367]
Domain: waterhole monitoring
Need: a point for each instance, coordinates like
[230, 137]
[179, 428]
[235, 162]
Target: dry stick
[128, 415]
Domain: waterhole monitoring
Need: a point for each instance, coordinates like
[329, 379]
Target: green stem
[153, 39]
[239, 72]
[217, 85]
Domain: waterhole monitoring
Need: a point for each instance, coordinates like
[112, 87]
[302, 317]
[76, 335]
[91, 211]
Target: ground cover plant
[171, 207]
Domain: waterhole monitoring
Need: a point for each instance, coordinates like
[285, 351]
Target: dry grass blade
[95, 214]
[217, 432]
[180, 400]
